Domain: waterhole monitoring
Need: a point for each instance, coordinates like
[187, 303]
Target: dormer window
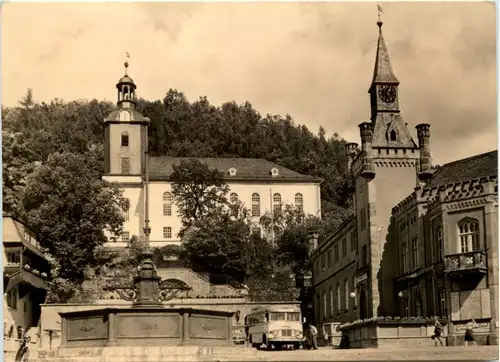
[275, 172]
[232, 171]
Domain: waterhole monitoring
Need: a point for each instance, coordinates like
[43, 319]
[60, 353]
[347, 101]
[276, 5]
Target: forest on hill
[53, 160]
[33, 131]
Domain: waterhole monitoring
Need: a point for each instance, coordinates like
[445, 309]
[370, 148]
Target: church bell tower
[125, 133]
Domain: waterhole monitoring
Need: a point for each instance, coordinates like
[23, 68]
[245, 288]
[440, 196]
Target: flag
[380, 8]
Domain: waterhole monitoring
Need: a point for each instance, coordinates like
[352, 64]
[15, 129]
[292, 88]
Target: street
[484, 353]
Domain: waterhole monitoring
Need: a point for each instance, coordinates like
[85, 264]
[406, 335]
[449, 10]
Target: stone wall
[394, 334]
[50, 319]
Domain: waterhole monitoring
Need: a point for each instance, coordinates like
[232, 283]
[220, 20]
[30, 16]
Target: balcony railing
[12, 264]
[470, 261]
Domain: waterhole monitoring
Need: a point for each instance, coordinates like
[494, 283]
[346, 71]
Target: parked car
[239, 336]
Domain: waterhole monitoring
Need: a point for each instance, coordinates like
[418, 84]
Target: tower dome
[126, 91]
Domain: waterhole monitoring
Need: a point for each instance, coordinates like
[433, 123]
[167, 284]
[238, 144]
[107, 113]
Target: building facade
[259, 184]
[25, 275]
[366, 268]
[446, 234]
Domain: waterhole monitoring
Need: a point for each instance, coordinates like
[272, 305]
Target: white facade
[133, 190]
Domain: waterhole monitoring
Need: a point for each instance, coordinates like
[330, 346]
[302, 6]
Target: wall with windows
[335, 263]
[165, 223]
[124, 154]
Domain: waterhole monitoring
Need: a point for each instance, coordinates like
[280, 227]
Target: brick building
[384, 259]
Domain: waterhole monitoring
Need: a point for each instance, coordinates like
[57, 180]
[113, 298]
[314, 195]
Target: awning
[415, 274]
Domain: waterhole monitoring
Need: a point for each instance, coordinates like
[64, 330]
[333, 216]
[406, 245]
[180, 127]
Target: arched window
[277, 202]
[124, 139]
[393, 137]
[299, 202]
[255, 204]
[339, 299]
[167, 204]
[233, 198]
[167, 232]
[126, 210]
[346, 294]
[440, 245]
[469, 235]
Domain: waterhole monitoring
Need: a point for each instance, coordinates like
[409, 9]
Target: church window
[167, 232]
[299, 202]
[126, 209]
[167, 204]
[125, 237]
[469, 235]
[124, 139]
[344, 246]
[393, 136]
[336, 252]
[277, 202]
[125, 165]
[255, 204]
[233, 198]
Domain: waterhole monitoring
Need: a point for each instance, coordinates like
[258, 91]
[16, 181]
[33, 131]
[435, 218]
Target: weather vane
[380, 11]
[127, 55]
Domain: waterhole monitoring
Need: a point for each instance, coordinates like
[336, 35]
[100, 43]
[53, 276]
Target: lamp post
[147, 281]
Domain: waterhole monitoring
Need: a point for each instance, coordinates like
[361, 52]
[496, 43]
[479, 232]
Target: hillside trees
[34, 132]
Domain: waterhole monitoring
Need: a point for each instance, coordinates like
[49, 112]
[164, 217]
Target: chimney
[425, 167]
[368, 169]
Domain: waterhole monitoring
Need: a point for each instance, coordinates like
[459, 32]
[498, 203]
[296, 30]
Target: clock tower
[389, 128]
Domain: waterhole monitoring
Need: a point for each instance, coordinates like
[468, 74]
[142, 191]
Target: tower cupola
[126, 91]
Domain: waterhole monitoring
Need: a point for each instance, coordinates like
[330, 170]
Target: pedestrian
[469, 333]
[327, 340]
[313, 332]
[438, 330]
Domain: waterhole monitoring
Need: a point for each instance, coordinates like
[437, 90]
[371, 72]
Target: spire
[383, 72]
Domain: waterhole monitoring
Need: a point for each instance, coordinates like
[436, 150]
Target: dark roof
[250, 169]
[475, 167]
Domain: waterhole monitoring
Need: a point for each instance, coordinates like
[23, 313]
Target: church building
[423, 240]
[259, 184]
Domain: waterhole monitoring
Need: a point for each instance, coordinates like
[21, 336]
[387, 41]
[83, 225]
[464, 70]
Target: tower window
[125, 139]
[393, 136]
[125, 165]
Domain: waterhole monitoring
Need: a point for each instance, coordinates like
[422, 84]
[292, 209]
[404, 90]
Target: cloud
[311, 60]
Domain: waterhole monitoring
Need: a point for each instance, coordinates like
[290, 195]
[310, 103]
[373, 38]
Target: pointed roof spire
[383, 72]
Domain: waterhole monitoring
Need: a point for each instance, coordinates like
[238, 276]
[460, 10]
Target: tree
[70, 209]
[220, 245]
[198, 191]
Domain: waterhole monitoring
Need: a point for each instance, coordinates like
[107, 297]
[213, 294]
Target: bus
[275, 326]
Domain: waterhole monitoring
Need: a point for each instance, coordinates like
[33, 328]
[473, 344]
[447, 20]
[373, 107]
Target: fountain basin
[146, 326]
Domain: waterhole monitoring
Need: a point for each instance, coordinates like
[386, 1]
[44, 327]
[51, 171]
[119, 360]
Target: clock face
[387, 93]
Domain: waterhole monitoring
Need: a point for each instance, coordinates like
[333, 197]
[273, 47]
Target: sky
[313, 61]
